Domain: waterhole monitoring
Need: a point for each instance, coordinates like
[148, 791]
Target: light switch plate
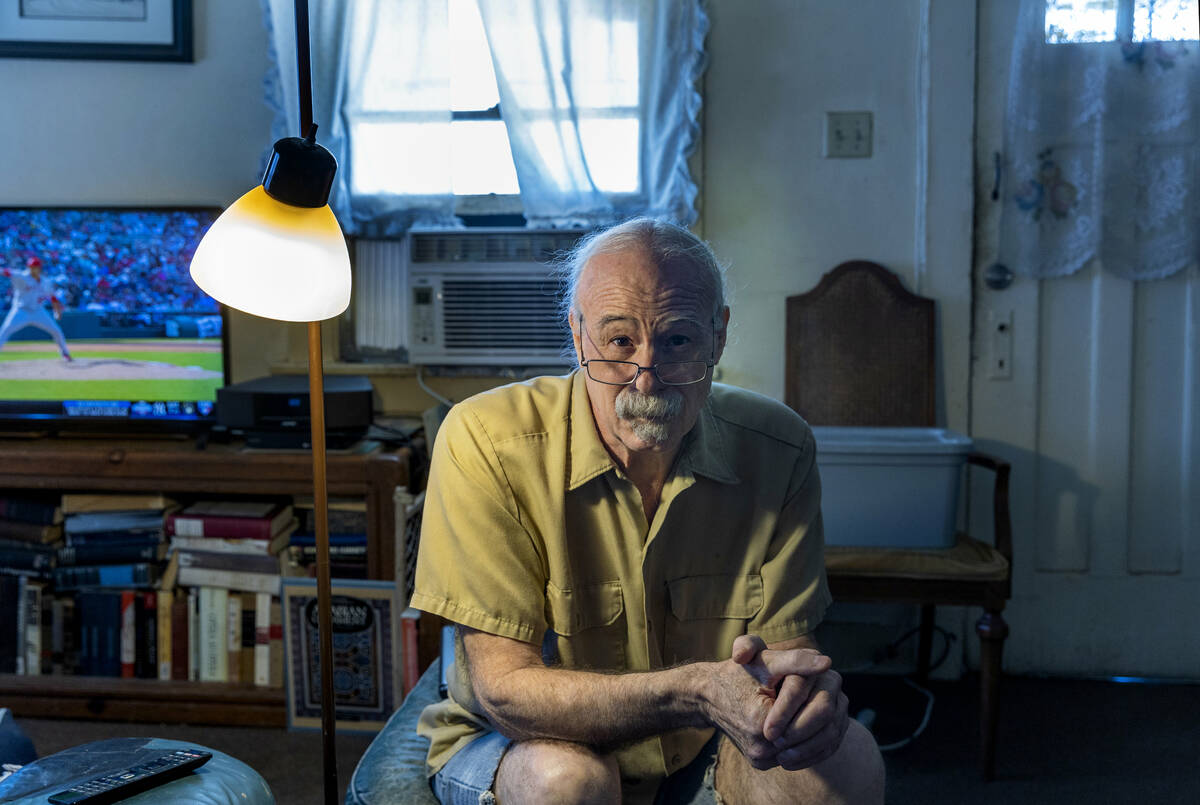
[1000, 344]
[848, 135]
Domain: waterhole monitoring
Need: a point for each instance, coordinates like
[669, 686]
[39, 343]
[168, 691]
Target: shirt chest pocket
[589, 624]
[707, 613]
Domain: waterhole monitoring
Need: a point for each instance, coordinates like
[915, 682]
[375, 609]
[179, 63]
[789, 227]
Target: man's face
[633, 310]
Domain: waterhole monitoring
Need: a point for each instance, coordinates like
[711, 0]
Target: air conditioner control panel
[424, 322]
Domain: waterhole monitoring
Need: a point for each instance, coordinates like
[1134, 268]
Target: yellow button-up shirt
[530, 526]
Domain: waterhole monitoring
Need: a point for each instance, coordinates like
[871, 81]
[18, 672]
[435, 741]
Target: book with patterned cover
[366, 653]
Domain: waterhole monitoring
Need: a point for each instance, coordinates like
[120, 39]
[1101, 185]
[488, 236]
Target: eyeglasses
[624, 373]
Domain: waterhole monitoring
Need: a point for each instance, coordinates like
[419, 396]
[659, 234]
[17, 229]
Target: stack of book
[29, 526]
[347, 538]
[225, 561]
[111, 541]
[104, 614]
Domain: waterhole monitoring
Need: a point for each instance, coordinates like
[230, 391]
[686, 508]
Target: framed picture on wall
[142, 30]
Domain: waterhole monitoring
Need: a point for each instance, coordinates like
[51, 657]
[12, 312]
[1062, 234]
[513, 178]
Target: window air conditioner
[484, 297]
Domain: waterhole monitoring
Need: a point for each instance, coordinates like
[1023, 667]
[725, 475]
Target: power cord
[920, 727]
[867, 716]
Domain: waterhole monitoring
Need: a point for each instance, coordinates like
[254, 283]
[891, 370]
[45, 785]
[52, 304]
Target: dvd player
[273, 412]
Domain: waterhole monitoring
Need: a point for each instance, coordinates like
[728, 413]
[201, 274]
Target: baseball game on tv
[103, 324]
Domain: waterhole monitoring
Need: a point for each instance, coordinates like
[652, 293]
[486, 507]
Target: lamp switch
[848, 135]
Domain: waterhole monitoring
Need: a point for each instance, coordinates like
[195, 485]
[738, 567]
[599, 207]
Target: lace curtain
[1101, 154]
[343, 34]
[553, 61]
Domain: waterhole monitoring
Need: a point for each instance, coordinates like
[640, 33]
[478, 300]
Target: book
[114, 535]
[275, 643]
[246, 650]
[213, 621]
[345, 515]
[233, 638]
[32, 508]
[366, 653]
[410, 627]
[180, 651]
[34, 557]
[230, 519]
[143, 548]
[64, 650]
[30, 532]
[145, 663]
[165, 613]
[128, 633]
[139, 574]
[262, 640]
[252, 547]
[223, 560]
[32, 603]
[341, 545]
[46, 638]
[193, 629]
[75, 503]
[239, 580]
[112, 522]
[99, 616]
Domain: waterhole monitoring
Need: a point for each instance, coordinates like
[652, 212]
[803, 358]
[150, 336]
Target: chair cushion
[223, 780]
[969, 559]
[393, 767]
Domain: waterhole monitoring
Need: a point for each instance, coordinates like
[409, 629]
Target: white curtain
[559, 61]
[348, 37]
[1100, 154]
[569, 72]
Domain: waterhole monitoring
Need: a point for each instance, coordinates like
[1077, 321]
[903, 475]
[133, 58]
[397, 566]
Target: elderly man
[634, 559]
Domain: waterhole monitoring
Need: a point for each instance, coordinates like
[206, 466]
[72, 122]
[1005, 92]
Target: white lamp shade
[275, 260]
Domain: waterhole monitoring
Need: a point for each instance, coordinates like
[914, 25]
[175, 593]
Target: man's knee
[856, 770]
[853, 775]
[556, 771]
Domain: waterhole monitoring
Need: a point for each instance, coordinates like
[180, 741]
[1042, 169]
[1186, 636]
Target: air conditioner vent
[511, 246]
[495, 314]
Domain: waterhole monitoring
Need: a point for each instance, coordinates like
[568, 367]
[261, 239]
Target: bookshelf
[184, 467]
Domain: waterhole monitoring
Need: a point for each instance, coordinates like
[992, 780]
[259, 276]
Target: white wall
[782, 215]
[156, 133]
[125, 132]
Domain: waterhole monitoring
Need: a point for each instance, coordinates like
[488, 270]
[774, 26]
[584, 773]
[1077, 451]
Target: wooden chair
[860, 352]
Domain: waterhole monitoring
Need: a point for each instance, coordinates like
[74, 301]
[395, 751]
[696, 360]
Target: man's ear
[722, 334]
[576, 339]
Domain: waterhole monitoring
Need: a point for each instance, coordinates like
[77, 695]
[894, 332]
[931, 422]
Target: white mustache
[634, 404]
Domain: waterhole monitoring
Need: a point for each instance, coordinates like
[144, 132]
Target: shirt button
[675, 760]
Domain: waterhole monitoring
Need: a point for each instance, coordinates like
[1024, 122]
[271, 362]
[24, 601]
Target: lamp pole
[316, 405]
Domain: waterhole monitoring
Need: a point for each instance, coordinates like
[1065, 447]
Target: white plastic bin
[890, 487]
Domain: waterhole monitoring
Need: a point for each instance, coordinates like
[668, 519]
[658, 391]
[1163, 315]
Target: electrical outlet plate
[848, 135]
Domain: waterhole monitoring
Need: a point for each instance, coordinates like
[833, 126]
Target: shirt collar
[703, 449]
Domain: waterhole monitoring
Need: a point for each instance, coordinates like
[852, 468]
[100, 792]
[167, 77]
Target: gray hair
[666, 244]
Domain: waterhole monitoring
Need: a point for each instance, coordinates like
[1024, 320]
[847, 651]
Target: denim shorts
[468, 776]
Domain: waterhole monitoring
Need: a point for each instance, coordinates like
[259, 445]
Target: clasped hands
[780, 707]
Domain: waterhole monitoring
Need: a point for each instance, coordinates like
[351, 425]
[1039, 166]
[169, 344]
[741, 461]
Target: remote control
[118, 785]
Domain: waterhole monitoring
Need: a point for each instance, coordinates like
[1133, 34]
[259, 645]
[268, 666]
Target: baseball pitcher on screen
[31, 292]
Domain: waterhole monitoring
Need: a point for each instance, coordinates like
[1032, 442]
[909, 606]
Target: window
[1075, 21]
[402, 143]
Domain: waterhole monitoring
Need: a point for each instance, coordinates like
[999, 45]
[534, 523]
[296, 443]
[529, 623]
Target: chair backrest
[860, 351]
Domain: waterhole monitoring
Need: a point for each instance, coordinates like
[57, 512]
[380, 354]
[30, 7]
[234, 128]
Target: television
[103, 328]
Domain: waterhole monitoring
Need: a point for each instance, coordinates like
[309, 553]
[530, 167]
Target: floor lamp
[279, 253]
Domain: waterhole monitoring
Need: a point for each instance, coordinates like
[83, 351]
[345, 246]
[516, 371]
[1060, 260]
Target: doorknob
[998, 276]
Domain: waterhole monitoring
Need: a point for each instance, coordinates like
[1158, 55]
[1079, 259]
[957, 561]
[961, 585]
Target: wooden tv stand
[181, 467]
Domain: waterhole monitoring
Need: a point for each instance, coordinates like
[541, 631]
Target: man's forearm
[601, 710]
